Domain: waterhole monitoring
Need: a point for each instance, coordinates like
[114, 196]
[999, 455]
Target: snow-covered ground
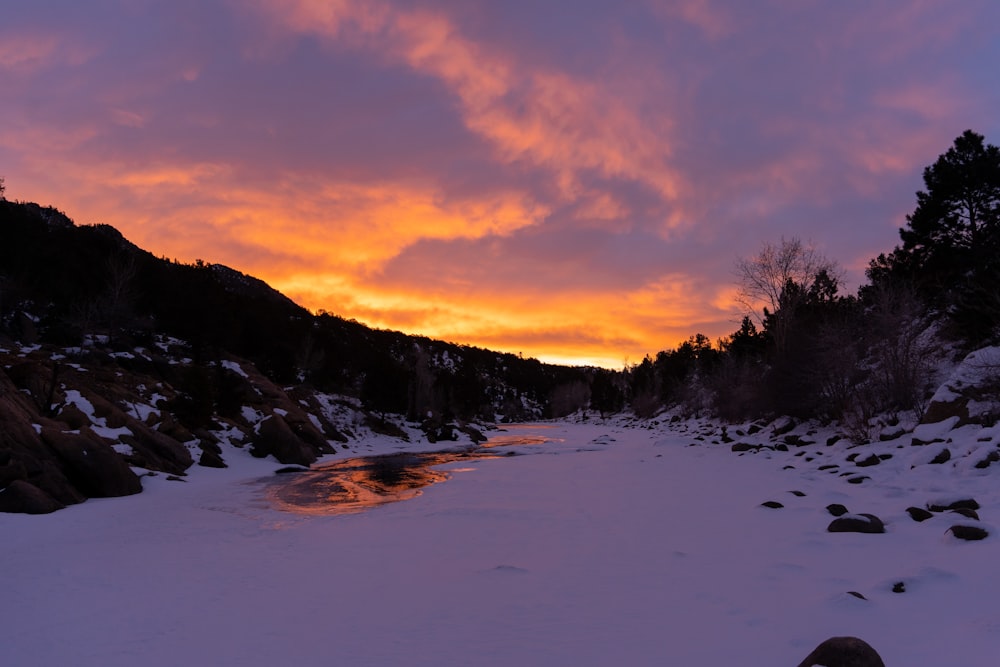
[609, 544]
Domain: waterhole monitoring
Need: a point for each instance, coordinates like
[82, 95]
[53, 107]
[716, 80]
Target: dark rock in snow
[836, 509]
[91, 465]
[843, 652]
[968, 503]
[970, 533]
[966, 512]
[918, 513]
[773, 504]
[992, 457]
[24, 497]
[871, 460]
[211, 459]
[797, 494]
[858, 480]
[942, 457]
[856, 523]
[275, 437]
[899, 587]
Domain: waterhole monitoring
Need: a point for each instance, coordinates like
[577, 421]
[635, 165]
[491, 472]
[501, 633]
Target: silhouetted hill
[113, 360]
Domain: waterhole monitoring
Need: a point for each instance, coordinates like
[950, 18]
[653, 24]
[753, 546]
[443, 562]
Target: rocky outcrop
[72, 429]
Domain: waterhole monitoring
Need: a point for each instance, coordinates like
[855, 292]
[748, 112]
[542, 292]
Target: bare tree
[777, 279]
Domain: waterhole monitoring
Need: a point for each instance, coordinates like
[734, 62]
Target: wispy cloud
[566, 179]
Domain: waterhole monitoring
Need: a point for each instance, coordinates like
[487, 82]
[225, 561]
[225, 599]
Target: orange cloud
[547, 118]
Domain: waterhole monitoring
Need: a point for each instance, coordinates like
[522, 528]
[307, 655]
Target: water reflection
[354, 485]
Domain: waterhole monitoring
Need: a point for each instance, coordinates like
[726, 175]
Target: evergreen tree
[951, 240]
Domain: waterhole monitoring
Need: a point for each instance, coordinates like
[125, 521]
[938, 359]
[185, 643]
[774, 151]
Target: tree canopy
[950, 242]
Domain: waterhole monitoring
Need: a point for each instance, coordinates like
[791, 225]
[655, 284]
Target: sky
[571, 180]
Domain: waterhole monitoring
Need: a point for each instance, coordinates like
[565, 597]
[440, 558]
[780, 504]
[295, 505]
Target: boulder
[856, 523]
[943, 506]
[970, 533]
[275, 438]
[870, 460]
[942, 457]
[26, 498]
[843, 652]
[91, 465]
[918, 513]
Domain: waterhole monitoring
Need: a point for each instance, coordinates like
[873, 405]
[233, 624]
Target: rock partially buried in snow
[856, 523]
[836, 509]
[945, 505]
[970, 533]
[918, 513]
[843, 652]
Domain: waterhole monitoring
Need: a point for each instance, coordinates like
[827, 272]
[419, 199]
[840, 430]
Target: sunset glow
[572, 181]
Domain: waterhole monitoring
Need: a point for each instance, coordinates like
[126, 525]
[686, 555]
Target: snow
[234, 367]
[599, 544]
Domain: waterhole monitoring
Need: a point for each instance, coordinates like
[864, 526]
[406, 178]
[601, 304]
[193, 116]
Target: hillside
[115, 363]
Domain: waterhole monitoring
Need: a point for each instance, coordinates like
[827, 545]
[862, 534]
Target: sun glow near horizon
[576, 189]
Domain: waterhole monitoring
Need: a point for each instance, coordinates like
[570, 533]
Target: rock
[939, 411]
[918, 513]
[276, 438]
[899, 587]
[992, 457]
[891, 433]
[871, 460]
[970, 533]
[856, 523]
[858, 480]
[966, 512]
[942, 457]
[91, 465]
[211, 459]
[773, 504]
[797, 494]
[968, 503]
[843, 652]
[741, 447]
[474, 434]
[836, 509]
[24, 497]
[783, 426]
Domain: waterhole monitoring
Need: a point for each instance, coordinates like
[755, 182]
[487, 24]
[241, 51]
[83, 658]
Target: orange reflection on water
[358, 484]
[354, 485]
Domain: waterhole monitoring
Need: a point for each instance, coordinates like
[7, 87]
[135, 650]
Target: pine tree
[952, 239]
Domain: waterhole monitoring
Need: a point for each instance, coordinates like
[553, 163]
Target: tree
[3, 189]
[957, 218]
[782, 277]
[951, 240]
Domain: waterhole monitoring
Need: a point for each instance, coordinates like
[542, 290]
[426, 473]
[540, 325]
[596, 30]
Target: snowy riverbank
[609, 544]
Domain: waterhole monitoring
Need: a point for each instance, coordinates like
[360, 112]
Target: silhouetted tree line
[812, 351]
